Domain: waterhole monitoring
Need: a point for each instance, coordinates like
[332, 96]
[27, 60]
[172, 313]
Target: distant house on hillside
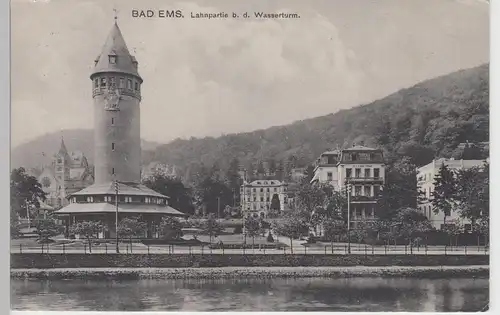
[158, 168]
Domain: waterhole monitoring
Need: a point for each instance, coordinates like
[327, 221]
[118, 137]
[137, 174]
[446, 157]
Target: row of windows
[263, 189]
[357, 173]
[110, 82]
[366, 191]
[262, 199]
[126, 199]
[361, 156]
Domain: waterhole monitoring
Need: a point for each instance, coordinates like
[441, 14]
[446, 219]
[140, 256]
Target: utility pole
[218, 208]
[348, 218]
[116, 215]
[234, 198]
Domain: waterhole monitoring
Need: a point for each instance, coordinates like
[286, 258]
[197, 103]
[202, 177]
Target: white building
[257, 195]
[360, 166]
[426, 183]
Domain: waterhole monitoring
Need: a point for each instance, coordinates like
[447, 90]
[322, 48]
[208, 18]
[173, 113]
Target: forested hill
[427, 120]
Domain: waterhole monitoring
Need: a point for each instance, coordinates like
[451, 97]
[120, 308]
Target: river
[305, 294]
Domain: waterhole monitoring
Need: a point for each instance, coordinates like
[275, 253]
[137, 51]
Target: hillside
[30, 154]
[427, 120]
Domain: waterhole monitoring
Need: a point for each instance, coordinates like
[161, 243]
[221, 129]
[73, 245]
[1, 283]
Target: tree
[400, 189]
[453, 229]
[260, 169]
[272, 166]
[472, 195]
[87, 229]
[130, 227]
[211, 227]
[170, 228]
[210, 194]
[410, 223]
[445, 190]
[333, 228]
[252, 228]
[25, 192]
[47, 228]
[309, 174]
[275, 208]
[180, 196]
[291, 226]
[280, 170]
[15, 227]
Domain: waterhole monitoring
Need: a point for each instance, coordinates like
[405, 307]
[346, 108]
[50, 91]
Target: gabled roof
[115, 46]
[131, 189]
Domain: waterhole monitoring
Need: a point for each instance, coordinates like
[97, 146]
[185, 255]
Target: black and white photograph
[231, 155]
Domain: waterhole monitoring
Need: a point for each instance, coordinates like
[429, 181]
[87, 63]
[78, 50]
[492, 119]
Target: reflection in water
[318, 294]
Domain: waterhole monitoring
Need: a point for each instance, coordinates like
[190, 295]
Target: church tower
[116, 86]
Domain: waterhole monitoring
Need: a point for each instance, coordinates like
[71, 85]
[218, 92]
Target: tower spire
[116, 15]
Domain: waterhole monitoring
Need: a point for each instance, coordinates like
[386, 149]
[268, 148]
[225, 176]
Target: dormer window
[112, 59]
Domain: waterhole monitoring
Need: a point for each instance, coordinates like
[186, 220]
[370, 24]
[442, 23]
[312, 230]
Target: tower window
[103, 82]
[129, 84]
[112, 82]
[112, 146]
[137, 86]
[96, 83]
[112, 121]
[113, 171]
[112, 59]
[122, 83]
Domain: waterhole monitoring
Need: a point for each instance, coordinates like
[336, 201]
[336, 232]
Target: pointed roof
[115, 46]
[62, 150]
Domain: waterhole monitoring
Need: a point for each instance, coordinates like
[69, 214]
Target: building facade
[256, 196]
[69, 172]
[361, 167]
[426, 183]
[116, 91]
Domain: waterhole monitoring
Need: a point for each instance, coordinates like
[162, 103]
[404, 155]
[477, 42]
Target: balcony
[364, 179]
[363, 199]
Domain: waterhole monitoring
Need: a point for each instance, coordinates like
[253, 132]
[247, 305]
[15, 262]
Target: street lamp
[116, 215]
[348, 218]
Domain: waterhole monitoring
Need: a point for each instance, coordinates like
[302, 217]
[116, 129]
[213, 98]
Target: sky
[213, 77]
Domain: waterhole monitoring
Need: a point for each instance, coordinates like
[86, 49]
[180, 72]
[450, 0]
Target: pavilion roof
[104, 207]
[130, 189]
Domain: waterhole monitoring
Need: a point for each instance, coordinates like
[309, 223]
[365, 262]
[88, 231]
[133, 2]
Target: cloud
[211, 77]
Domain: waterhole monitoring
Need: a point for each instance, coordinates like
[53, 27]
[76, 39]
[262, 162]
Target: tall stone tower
[116, 86]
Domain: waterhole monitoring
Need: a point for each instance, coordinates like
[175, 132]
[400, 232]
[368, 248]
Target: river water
[306, 294]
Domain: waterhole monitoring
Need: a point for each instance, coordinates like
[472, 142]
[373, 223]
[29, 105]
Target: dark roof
[104, 207]
[130, 189]
[115, 46]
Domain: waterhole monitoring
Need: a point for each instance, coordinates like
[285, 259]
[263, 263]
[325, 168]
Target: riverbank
[53, 260]
[252, 272]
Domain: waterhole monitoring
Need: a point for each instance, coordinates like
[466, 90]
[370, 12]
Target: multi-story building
[426, 182]
[361, 167]
[69, 172]
[257, 195]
